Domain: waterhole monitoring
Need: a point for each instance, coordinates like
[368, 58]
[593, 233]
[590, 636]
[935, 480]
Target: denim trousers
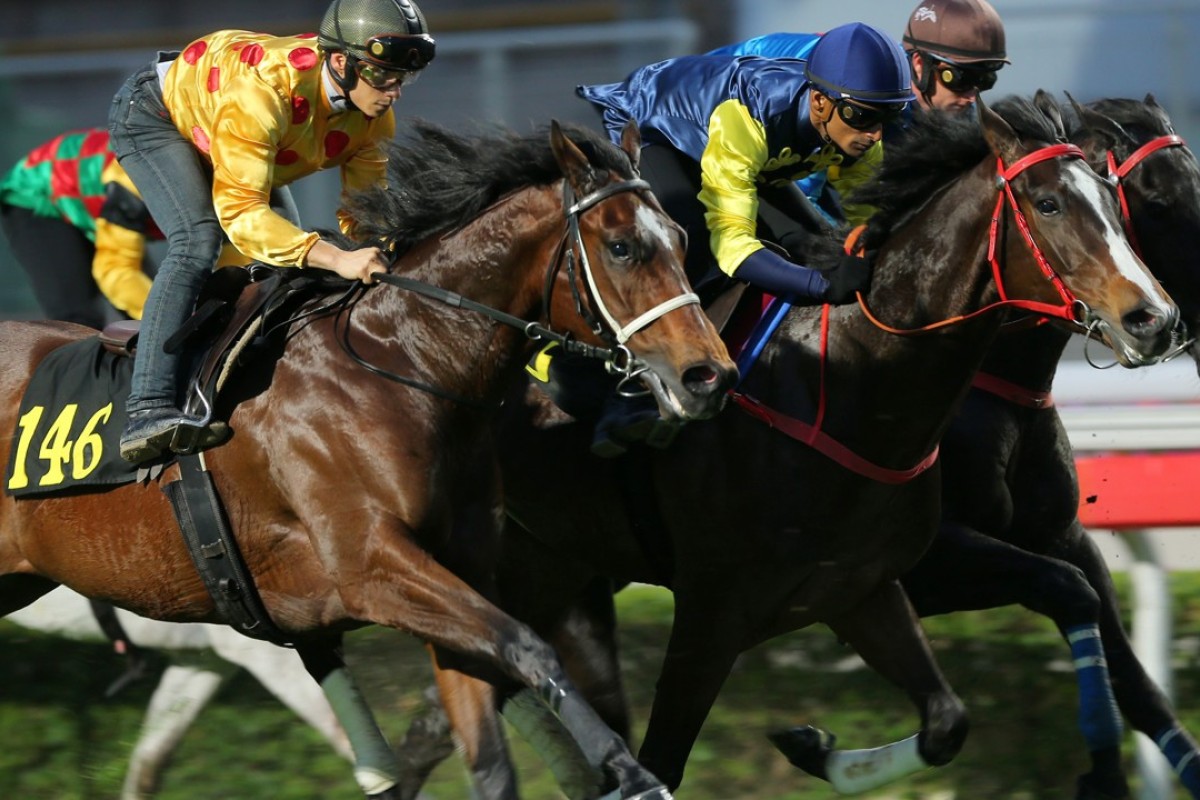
[172, 178]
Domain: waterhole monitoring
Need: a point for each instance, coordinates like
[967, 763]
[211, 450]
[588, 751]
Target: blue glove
[794, 282]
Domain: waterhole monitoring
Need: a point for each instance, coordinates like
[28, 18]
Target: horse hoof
[806, 747]
[1101, 787]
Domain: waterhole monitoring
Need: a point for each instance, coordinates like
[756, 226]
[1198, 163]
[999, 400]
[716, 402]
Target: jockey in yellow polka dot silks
[209, 133]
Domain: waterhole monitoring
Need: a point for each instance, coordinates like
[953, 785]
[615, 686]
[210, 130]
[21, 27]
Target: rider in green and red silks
[722, 133]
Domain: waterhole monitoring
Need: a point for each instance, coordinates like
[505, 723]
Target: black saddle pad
[70, 421]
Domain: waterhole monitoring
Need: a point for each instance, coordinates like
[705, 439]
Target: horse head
[1157, 178]
[633, 291]
[1068, 244]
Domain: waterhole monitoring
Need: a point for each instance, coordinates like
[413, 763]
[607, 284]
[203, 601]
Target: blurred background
[518, 61]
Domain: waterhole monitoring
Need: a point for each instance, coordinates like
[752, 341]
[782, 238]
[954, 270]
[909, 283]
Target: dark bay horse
[759, 534]
[360, 500]
[1010, 532]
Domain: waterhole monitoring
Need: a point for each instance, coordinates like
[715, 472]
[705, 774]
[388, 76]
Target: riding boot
[153, 431]
[625, 421]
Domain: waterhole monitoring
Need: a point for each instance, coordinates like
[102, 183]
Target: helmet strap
[924, 82]
[349, 77]
[347, 80]
[822, 125]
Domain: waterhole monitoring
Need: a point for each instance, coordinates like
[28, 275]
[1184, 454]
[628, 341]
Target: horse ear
[1100, 124]
[1150, 101]
[1000, 137]
[631, 143]
[571, 160]
[1043, 101]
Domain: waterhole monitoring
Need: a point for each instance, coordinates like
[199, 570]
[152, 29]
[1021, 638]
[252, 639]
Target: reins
[617, 358]
[813, 436]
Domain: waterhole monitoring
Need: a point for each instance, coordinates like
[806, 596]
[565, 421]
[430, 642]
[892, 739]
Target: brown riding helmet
[958, 31]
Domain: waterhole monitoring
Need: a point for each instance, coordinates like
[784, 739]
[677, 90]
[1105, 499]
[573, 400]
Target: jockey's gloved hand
[852, 274]
[782, 278]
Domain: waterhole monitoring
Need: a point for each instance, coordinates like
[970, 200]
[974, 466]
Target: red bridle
[1116, 175]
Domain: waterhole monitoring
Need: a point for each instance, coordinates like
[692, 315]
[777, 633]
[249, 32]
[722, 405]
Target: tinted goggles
[962, 80]
[400, 51]
[865, 118]
[384, 79]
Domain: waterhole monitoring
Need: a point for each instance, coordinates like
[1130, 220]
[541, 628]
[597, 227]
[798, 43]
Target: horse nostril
[703, 380]
[1148, 321]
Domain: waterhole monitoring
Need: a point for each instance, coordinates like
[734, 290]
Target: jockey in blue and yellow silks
[725, 138]
[751, 123]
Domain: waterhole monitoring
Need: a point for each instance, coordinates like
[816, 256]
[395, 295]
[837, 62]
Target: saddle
[232, 309]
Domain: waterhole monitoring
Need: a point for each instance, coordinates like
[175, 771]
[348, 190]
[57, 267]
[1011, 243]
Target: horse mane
[439, 179]
[934, 150]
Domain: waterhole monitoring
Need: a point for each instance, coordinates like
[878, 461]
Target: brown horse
[360, 500]
[759, 534]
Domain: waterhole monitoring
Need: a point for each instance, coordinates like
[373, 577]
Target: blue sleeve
[782, 278]
[772, 45]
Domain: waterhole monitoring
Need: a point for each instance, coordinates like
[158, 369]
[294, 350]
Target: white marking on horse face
[656, 224]
[1128, 264]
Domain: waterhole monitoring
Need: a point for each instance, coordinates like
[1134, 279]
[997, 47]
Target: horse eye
[620, 250]
[1047, 207]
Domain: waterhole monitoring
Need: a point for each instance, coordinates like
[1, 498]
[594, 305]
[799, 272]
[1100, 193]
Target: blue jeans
[176, 183]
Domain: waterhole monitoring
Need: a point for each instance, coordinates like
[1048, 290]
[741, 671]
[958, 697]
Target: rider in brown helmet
[955, 48]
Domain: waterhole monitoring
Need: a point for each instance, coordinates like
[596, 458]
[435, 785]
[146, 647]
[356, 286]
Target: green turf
[59, 739]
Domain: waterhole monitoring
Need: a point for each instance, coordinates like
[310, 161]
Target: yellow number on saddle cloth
[68, 423]
[57, 450]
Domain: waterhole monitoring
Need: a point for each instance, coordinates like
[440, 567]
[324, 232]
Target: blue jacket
[745, 119]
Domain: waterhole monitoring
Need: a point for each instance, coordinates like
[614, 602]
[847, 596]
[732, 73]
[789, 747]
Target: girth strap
[215, 553]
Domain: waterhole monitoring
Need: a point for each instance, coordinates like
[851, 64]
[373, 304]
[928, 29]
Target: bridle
[617, 358]
[1116, 176]
[1117, 173]
[1071, 309]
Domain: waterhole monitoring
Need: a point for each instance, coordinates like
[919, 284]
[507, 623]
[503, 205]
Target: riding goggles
[399, 51]
[866, 118]
[962, 80]
[384, 79]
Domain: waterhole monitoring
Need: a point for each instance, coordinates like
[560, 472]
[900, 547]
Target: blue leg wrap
[1099, 719]
[1180, 750]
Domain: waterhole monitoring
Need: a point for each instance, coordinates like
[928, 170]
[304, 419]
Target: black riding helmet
[388, 34]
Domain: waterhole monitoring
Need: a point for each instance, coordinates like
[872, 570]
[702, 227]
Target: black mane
[439, 180]
[937, 148]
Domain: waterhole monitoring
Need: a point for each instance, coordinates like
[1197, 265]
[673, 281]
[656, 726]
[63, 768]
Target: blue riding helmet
[861, 63]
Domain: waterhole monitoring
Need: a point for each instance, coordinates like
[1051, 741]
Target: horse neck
[890, 397]
[500, 260]
[1027, 357]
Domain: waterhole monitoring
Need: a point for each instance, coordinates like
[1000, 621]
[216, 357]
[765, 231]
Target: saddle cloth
[70, 420]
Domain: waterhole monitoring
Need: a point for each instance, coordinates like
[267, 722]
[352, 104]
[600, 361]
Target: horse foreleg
[1139, 697]
[884, 630]
[967, 570]
[375, 767]
[702, 649]
[181, 694]
[470, 705]
[445, 611]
